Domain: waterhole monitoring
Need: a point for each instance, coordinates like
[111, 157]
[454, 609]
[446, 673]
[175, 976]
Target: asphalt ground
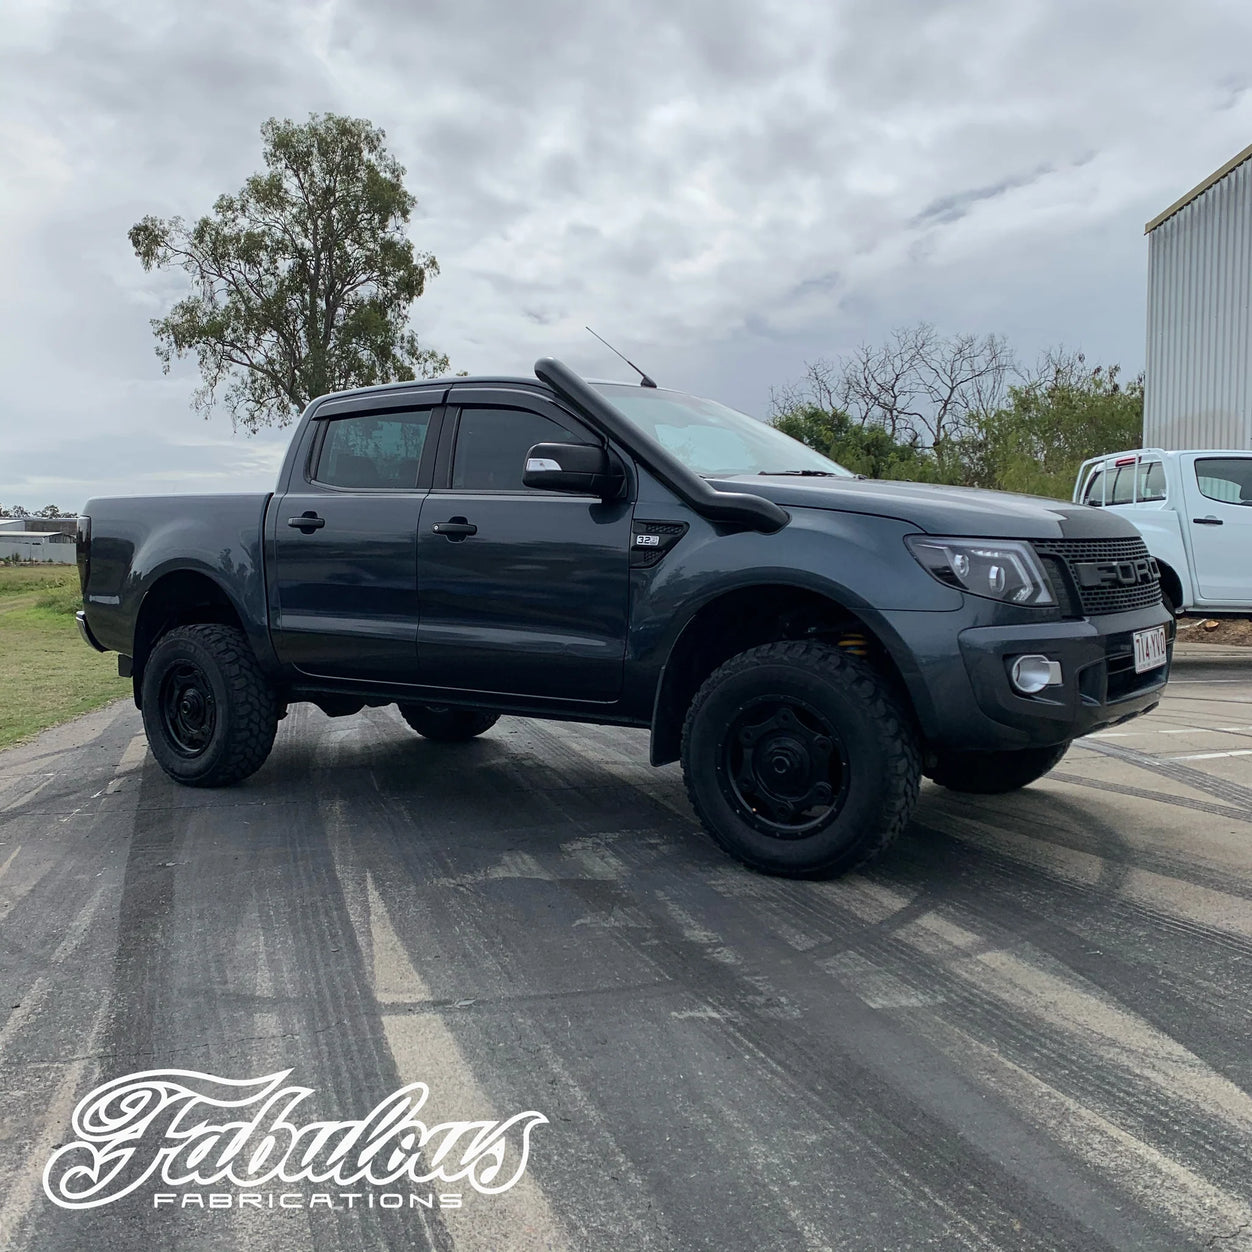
[1027, 1027]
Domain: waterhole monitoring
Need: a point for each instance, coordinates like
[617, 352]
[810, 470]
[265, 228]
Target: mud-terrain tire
[209, 711]
[994, 773]
[800, 760]
[445, 724]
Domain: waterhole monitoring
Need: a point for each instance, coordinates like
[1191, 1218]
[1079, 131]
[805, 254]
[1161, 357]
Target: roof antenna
[644, 380]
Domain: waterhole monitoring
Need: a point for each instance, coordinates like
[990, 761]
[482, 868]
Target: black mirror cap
[579, 469]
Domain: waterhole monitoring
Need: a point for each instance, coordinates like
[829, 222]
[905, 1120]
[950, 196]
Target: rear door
[1218, 488]
[343, 585]
[523, 592]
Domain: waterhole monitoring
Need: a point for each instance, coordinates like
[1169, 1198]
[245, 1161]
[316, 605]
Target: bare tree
[922, 387]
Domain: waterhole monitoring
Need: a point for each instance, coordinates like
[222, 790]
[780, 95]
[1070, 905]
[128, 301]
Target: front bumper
[84, 630]
[967, 703]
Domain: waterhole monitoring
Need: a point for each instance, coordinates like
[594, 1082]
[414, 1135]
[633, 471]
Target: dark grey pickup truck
[808, 643]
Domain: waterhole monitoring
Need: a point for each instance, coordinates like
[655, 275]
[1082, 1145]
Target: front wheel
[209, 712]
[799, 759]
[445, 724]
[994, 773]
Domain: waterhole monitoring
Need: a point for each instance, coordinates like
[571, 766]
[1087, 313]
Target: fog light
[1031, 674]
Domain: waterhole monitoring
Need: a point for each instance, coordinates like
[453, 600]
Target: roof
[471, 380]
[52, 536]
[1199, 189]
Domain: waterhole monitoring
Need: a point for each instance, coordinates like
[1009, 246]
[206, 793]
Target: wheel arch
[1171, 584]
[744, 617]
[181, 597]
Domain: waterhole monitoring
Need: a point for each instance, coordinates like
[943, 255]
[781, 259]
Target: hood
[940, 510]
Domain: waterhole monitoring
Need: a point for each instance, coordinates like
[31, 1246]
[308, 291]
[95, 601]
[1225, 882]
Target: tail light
[82, 548]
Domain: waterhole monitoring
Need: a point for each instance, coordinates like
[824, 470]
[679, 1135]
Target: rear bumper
[970, 704]
[84, 630]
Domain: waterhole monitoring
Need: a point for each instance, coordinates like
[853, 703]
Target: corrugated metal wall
[1199, 376]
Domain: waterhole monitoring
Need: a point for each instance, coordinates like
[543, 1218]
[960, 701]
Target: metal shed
[1199, 379]
[38, 545]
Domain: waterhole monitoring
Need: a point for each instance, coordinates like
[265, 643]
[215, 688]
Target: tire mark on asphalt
[418, 855]
[23, 1185]
[1220, 916]
[919, 907]
[1162, 797]
[666, 931]
[1138, 1169]
[824, 1050]
[1103, 938]
[1197, 778]
[894, 976]
[931, 985]
[1060, 825]
[425, 1050]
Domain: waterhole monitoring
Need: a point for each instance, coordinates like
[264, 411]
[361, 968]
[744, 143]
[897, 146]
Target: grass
[47, 673]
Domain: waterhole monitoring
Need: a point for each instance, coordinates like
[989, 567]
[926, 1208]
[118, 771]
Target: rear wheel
[994, 773]
[446, 724]
[799, 759]
[209, 712]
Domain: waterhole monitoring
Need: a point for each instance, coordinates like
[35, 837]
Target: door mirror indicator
[579, 469]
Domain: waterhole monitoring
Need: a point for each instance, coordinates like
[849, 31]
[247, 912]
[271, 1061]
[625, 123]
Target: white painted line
[1171, 730]
[136, 751]
[425, 1049]
[1210, 756]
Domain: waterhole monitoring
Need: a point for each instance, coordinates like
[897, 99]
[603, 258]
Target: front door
[522, 592]
[1219, 517]
[344, 583]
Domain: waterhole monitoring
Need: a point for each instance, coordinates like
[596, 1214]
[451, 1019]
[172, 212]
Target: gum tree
[302, 282]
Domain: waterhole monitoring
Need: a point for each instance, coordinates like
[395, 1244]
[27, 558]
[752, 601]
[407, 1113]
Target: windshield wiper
[798, 473]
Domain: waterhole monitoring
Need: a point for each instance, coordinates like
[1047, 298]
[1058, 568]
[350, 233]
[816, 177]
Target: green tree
[1065, 413]
[302, 282]
[864, 449]
[931, 409]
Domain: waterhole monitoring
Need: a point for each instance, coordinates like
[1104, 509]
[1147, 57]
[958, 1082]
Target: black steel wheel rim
[188, 710]
[783, 767]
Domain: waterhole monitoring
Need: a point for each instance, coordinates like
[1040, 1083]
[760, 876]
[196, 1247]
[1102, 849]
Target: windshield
[711, 439]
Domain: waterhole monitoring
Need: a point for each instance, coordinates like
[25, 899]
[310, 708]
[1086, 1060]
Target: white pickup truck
[1194, 511]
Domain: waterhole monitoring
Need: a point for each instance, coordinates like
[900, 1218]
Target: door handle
[307, 522]
[455, 528]
[1207, 521]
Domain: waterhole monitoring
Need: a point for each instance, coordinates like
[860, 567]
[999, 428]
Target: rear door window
[1228, 479]
[374, 452]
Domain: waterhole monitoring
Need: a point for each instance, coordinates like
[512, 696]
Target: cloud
[724, 188]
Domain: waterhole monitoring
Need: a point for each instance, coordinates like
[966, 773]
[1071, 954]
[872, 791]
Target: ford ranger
[808, 643]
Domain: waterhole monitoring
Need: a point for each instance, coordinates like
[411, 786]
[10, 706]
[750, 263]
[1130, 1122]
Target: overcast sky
[724, 188]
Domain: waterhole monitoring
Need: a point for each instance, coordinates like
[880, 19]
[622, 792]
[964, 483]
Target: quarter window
[381, 451]
[1151, 481]
[491, 447]
[1123, 485]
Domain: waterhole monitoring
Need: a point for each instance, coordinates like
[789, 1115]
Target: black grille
[1097, 601]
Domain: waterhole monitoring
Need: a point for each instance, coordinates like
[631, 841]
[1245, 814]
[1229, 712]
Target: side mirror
[579, 469]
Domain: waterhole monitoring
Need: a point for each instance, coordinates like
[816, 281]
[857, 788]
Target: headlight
[1000, 569]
